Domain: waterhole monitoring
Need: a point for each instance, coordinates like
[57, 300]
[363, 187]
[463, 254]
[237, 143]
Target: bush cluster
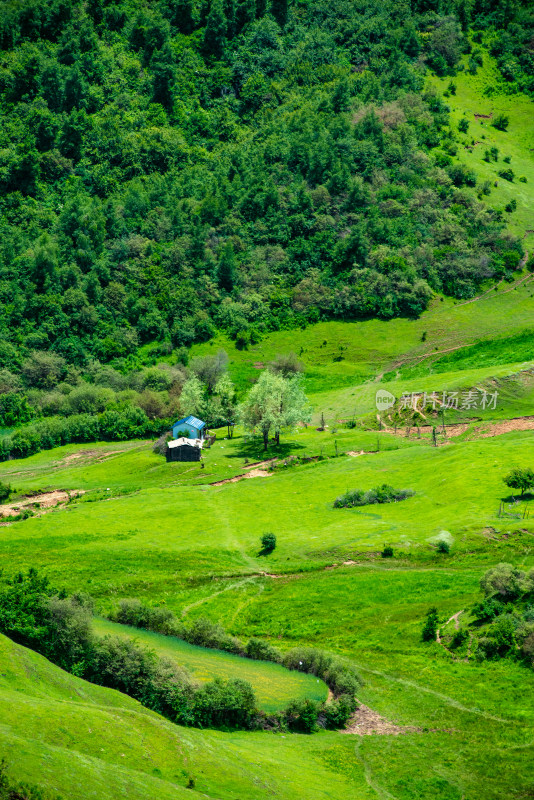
[338, 674]
[503, 620]
[381, 494]
[506, 613]
[35, 615]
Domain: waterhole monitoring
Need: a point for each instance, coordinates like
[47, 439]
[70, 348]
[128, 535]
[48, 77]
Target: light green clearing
[373, 347]
[273, 685]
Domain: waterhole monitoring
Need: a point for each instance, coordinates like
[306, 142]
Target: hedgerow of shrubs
[339, 675]
[381, 494]
[131, 423]
[35, 615]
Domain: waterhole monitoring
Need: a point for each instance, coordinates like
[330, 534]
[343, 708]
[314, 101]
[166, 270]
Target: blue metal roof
[193, 421]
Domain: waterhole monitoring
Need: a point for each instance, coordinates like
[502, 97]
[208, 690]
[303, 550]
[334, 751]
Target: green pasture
[274, 686]
[157, 540]
[474, 721]
[484, 93]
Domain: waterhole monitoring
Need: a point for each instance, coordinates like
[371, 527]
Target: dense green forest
[174, 168]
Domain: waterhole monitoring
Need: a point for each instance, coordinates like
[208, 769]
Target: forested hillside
[172, 168]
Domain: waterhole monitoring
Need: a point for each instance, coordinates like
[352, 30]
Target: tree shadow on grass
[518, 498]
[253, 450]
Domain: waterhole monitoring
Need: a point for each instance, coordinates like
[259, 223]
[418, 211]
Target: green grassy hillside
[480, 98]
[344, 361]
[163, 533]
[318, 178]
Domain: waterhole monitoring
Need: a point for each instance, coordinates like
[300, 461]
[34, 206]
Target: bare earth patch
[366, 722]
[96, 454]
[252, 473]
[39, 502]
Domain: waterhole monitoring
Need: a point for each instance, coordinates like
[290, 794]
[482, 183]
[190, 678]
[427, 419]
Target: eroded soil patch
[253, 473]
[366, 722]
[39, 503]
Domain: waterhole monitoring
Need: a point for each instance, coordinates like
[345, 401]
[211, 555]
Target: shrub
[336, 714]
[501, 122]
[486, 648]
[502, 631]
[5, 491]
[461, 175]
[507, 174]
[463, 125]
[268, 543]
[381, 494]
[262, 651]
[160, 620]
[337, 673]
[431, 625]
[387, 552]
[443, 546]
[459, 638]
[511, 206]
[224, 704]
[205, 633]
[487, 609]
[302, 715]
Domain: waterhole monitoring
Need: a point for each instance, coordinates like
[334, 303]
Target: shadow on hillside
[253, 450]
[517, 499]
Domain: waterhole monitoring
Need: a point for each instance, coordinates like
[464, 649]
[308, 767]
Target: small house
[184, 449]
[190, 427]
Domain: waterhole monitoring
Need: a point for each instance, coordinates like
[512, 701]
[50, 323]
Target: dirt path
[515, 284]
[366, 722]
[456, 626]
[40, 503]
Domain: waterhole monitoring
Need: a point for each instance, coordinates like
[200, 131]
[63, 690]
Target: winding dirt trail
[456, 626]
